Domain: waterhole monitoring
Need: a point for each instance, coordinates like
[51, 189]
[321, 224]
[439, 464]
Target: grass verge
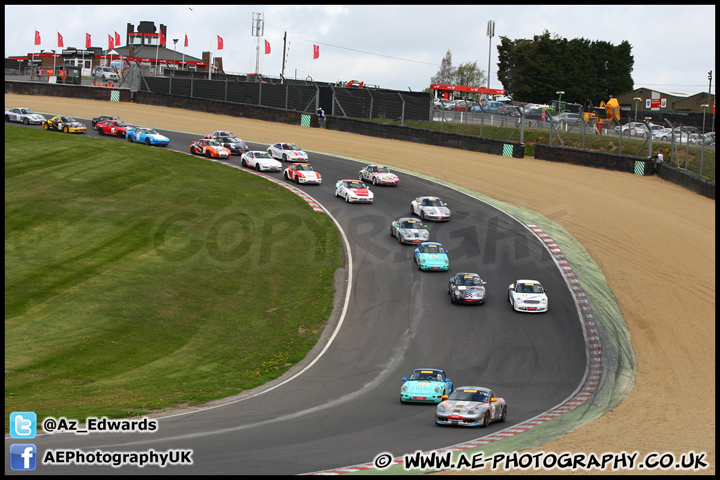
[138, 278]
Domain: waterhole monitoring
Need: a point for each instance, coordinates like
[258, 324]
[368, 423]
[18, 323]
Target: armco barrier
[690, 180]
[428, 137]
[588, 158]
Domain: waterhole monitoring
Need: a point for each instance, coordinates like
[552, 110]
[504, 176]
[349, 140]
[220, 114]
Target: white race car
[379, 175]
[353, 191]
[430, 208]
[287, 152]
[24, 115]
[260, 161]
[527, 296]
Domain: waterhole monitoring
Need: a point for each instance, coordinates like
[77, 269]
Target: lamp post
[490, 34]
[175, 40]
[637, 99]
[559, 94]
[704, 106]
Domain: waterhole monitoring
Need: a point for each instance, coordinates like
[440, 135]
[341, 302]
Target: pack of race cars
[462, 406]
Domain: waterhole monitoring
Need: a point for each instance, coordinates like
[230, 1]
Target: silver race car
[430, 208]
[24, 115]
[409, 230]
[471, 407]
[467, 288]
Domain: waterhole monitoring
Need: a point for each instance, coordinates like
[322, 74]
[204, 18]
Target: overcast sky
[396, 47]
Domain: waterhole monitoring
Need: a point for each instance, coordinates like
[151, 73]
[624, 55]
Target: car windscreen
[426, 375]
[468, 395]
[354, 185]
[432, 249]
[410, 224]
[432, 202]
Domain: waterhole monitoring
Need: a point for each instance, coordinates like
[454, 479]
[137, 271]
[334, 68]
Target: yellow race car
[63, 123]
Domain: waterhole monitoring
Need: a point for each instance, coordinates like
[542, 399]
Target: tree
[533, 70]
[446, 74]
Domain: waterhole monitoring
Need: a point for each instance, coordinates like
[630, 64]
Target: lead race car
[527, 296]
[379, 175]
[425, 385]
[471, 407]
[467, 288]
[430, 208]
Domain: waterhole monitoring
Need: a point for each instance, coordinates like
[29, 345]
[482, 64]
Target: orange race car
[210, 148]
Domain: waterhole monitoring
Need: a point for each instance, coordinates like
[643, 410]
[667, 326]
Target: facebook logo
[23, 456]
[23, 425]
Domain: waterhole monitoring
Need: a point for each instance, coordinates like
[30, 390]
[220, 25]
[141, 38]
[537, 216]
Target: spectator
[659, 157]
[321, 117]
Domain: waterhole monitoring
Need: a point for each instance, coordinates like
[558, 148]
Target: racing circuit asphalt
[345, 409]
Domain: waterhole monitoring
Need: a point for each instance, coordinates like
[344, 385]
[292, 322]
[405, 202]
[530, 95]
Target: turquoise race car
[431, 256]
[425, 385]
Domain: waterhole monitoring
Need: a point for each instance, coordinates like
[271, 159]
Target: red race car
[113, 127]
[210, 148]
[302, 173]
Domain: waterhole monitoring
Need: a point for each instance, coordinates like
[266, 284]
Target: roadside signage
[656, 103]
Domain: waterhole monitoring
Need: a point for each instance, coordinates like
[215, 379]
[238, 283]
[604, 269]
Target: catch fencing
[351, 102]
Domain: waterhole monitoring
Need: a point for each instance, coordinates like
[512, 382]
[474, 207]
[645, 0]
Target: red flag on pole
[88, 41]
[60, 41]
[316, 52]
[117, 40]
[267, 47]
[37, 37]
[162, 38]
[111, 42]
[186, 40]
[220, 42]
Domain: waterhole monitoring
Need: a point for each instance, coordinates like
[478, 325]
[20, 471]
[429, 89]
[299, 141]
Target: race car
[528, 296]
[431, 256]
[103, 118]
[430, 208]
[113, 127]
[379, 175]
[287, 152]
[209, 148]
[471, 407]
[148, 136]
[302, 173]
[24, 115]
[409, 230]
[467, 288]
[260, 161]
[353, 191]
[220, 133]
[234, 144]
[63, 123]
[425, 385]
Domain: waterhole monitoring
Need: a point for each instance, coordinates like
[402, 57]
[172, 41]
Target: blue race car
[431, 256]
[425, 385]
[148, 136]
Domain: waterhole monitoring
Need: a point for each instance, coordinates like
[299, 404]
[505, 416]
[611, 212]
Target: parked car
[710, 138]
[106, 74]
[566, 119]
[664, 133]
[496, 108]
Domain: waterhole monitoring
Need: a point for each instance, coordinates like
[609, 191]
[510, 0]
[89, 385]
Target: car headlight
[544, 301]
[404, 388]
[446, 261]
[441, 408]
[472, 411]
[437, 389]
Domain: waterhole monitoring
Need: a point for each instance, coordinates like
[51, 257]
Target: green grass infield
[137, 278]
